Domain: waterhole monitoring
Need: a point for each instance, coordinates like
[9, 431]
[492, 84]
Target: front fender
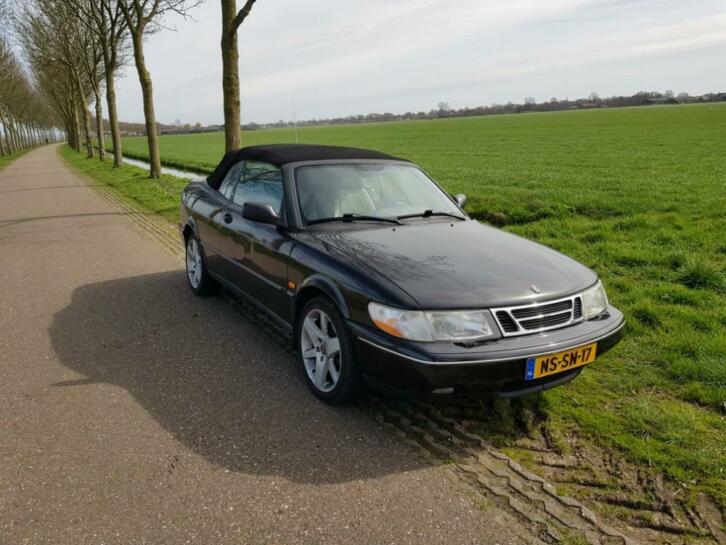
[330, 289]
[191, 224]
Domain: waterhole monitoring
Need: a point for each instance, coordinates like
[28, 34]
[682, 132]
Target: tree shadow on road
[217, 382]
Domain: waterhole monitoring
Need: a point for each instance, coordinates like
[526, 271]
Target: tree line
[71, 53]
[25, 119]
[530, 104]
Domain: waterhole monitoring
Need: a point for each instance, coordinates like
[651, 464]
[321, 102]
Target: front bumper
[495, 368]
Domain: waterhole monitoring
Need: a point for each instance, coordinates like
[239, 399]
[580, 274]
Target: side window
[261, 183]
[232, 177]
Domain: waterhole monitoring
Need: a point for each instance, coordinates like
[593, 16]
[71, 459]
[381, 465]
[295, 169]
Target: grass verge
[133, 184]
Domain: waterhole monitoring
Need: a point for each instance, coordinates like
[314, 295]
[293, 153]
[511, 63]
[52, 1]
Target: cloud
[337, 57]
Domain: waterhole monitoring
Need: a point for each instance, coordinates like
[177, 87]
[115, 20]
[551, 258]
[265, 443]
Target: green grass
[637, 194]
[160, 196]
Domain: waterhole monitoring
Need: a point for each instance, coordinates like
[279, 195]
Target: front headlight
[417, 325]
[594, 301]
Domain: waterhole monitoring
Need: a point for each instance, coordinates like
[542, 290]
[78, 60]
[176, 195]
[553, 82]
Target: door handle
[227, 217]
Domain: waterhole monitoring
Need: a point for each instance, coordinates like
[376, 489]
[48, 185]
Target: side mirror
[460, 200]
[262, 213]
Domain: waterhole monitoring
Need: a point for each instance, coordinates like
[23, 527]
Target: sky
[336, 58]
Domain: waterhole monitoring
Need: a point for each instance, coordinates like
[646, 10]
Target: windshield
[379, 190]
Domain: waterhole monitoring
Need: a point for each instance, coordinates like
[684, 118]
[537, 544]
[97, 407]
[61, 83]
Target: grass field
[637, 194]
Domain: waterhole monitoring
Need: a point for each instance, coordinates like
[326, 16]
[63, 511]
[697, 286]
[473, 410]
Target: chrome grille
[525, 319]
[506, 322]
[538, 310]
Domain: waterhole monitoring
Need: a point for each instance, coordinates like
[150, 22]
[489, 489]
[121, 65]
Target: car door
[213, 215]
[258, 249]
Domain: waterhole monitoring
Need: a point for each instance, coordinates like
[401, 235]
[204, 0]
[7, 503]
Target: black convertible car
[381, 277]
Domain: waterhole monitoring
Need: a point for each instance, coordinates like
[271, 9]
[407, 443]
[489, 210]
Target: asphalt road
[133, 412]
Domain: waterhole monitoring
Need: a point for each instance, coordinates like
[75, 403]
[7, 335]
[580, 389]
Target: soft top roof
[283, 154]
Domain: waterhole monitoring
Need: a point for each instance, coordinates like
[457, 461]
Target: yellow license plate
[559, 362]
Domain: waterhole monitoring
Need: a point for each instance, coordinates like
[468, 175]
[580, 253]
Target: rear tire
[326, 352]
[197, 274]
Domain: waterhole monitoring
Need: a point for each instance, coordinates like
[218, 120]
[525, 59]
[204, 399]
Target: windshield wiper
[429, 213]
[354, 217]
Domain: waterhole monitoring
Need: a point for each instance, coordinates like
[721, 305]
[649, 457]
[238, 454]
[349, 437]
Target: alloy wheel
[194, 263]
[320, 347]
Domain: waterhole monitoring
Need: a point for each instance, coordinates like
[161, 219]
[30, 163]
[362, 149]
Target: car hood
[463, 264]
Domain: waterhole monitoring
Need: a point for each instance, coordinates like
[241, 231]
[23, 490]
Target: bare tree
[71, 42]
[106, 20]
[93, 66]
[50, 35]
[143, 17]
[55, 83]
[10, 85]
[25, 118]
[85, 39]
[231, 21]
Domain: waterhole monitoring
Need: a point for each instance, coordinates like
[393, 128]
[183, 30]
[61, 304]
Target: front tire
[197, 274]
[326, 352]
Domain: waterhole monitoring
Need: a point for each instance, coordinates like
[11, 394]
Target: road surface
[133, 412]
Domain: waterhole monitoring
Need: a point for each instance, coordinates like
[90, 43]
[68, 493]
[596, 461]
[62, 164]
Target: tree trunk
[8, 135]
[99, 127]
[230, 76]
[87, 130]
[18, 128]
[69, 132]
[16, 136]
[16, 139]
[69, 136]
[76, 130]
[147, 92]
[88, 137]
[4, 148]
[23, 136]
[86, 117]
[118, 159]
